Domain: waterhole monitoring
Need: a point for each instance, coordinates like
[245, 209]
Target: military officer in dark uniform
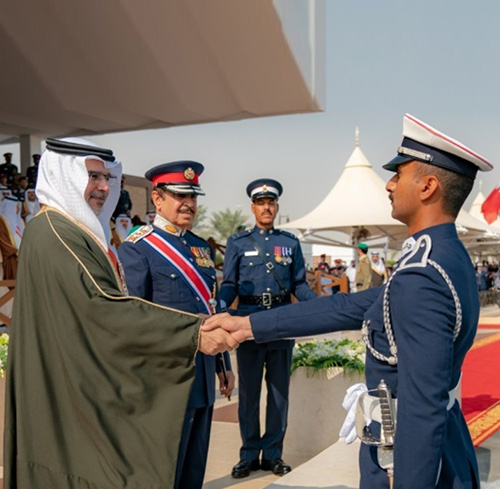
[263, 266]
[32, 171]
[169, 265]
[417, 327]
[8, 168]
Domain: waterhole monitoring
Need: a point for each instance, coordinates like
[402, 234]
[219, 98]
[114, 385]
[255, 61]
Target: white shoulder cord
[422, 242]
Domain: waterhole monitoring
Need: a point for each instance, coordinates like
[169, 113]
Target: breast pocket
[249, 266]
[168, 286]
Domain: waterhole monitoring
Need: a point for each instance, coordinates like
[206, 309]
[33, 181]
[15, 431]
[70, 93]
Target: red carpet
[488, 326]
[481, 388]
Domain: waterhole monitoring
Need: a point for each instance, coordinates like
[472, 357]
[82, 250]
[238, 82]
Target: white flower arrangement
[326, 354]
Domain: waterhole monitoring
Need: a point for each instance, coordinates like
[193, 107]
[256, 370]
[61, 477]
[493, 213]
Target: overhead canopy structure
[358, 207]
[81, 68]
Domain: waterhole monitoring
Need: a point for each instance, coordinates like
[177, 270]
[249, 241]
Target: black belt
[266, 299]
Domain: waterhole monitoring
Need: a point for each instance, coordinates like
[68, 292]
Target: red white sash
[182, 265]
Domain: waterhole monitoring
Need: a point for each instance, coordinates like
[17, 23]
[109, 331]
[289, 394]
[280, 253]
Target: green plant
[323, 354]
[4, 346]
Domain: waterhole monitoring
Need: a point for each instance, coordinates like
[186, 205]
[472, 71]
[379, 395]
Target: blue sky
[438, 60]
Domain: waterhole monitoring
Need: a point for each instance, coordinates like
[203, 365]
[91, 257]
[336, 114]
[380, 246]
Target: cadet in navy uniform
[262, 268]
[169, 265]
[417, 327]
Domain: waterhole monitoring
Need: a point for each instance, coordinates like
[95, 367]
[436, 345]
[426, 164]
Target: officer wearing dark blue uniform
[417, 327]
[169, 265]
[262, 268]
[8, 168]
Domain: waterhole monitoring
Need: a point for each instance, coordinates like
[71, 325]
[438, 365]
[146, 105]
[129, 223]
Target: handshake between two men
[223, 332]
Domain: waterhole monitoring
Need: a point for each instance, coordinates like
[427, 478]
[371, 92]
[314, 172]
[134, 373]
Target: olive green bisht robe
[97, 381]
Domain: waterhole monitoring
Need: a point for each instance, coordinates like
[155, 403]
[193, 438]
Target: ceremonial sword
[212, 302]
[385, 452]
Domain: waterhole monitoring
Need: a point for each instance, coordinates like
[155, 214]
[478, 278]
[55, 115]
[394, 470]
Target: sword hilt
[387, 412]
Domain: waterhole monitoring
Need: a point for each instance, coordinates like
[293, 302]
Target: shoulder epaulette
[142, 232]
[290, 235]
[241, 234]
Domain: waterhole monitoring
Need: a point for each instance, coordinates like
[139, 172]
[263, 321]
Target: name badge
[251, 253]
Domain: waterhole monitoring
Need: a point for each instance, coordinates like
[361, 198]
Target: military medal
[202, 256]
[282, 254]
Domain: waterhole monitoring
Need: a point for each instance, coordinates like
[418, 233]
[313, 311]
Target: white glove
[348, 430]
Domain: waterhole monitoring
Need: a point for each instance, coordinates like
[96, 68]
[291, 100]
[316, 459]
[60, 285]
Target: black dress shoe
[244, 467]
[276, 465]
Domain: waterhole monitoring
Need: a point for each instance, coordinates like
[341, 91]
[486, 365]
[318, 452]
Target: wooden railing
[11, 284]
[322, 283]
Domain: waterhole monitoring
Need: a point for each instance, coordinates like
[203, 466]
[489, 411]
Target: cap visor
[397, 160]
[184, 189]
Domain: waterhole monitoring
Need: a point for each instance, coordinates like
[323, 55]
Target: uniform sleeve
[423, 321]
[137, 271]
[338, 312]
[300, 287]
[229, 286]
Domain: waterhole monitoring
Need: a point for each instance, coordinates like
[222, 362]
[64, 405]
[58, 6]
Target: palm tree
[199, 225]
[225, 223]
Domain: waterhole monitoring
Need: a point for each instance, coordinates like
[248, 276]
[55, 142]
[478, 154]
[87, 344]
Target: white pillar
[29, 145]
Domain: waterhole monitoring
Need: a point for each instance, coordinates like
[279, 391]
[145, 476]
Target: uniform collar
[441, 231]
[264, 232]
[165, 225]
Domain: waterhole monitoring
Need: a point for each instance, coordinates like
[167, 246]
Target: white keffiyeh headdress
[61, 183]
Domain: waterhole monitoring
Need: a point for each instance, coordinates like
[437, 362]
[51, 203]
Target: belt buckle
[267, 299]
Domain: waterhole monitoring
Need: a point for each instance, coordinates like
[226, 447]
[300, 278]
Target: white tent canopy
[358, 206]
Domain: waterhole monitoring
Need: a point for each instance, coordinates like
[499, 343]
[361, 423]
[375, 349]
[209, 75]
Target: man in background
[124, 204]
[263, 267]
[364, 269]
[322, 265]
[379, 274]
[32, 171]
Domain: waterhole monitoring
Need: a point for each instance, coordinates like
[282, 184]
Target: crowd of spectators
[17, 206]
[487, 275]
[339, 268]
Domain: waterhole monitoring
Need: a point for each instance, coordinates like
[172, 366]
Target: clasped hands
[223, 332]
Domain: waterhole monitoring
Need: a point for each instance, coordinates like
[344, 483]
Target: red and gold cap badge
[189, 174]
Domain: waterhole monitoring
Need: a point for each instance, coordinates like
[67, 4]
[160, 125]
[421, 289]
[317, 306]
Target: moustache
[98, 194]
[187, 209]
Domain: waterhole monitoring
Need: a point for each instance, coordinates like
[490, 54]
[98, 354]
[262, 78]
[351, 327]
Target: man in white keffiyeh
[113, 373]
[81, 186]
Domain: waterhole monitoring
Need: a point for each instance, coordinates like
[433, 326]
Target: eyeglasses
[97, 177]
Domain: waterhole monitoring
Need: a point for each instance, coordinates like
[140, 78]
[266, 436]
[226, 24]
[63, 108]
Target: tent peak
[358, 158]
[356, 135]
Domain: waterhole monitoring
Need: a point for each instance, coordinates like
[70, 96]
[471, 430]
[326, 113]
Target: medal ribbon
[182, 265]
